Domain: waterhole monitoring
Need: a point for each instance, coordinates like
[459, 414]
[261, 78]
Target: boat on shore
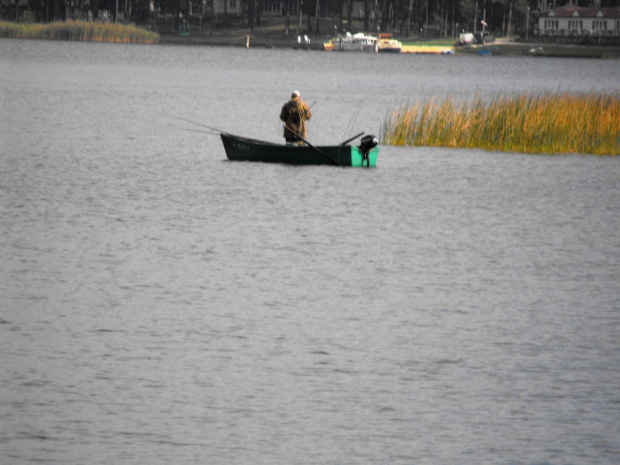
[243, 149]
[359, 42]
[387, 44]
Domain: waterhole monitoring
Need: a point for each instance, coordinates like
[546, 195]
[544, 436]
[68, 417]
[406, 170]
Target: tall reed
[527, 123]
[79, 30]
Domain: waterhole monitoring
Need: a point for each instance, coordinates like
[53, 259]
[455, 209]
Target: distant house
[278, 7]
[357, 9]
[571, 20]
[231, 7]
[267, 7]
[239, 7]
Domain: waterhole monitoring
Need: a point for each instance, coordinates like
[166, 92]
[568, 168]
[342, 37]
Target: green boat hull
[242, 149]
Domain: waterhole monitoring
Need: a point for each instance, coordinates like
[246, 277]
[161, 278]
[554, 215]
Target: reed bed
[526, 123]
[80, 31]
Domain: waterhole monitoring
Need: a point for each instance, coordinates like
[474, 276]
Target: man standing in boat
[294, 114]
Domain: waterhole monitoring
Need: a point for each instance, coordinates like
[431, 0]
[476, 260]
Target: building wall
[234, 7]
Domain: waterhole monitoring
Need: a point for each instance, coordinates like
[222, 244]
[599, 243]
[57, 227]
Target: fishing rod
[314, 119]
[352, 138]
[211, 128]
[320, 152]
[211, 133]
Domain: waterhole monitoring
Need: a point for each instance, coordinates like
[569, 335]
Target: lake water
[161, 305]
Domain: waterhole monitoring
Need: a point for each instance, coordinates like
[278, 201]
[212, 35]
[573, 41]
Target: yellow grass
[79, 30]
[526, 123]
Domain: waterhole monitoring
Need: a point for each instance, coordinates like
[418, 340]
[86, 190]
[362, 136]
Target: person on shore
[295, 113]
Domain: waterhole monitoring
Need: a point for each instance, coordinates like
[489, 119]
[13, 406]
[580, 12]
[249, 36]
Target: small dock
[429, 49]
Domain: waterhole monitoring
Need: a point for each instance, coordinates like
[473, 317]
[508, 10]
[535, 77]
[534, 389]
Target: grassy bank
[539, 123]
[78, 30]
[549, 50]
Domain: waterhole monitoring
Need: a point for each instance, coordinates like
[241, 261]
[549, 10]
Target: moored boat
[387, 44]
[353, 43]
[243, 149]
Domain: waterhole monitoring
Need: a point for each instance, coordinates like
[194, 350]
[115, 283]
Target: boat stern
[366, 153]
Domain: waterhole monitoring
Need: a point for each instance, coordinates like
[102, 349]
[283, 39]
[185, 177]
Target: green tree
[468, 10]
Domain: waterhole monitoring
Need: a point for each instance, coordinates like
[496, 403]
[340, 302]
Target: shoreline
[500, 48]
[233, 32]
[270, 34]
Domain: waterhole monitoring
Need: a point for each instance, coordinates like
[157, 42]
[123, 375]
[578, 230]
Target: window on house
[575, 25]
[551, 24]
[599, 25]
[233, 4]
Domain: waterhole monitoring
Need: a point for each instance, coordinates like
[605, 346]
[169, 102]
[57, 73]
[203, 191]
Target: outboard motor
[367, 143]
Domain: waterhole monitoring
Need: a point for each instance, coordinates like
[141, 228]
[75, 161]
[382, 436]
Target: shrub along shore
[80, 31]
[526, 123]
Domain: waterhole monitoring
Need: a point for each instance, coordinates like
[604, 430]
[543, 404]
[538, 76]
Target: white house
[237, 7]
[571, 20]
[232, 7]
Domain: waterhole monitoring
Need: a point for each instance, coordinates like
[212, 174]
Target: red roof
[568, 11]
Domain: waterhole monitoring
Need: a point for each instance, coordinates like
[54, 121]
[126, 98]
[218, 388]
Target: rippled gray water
[161, 305]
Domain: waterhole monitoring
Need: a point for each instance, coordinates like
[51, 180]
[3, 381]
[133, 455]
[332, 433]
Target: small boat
[353, 43]
[243, 149]
[387, 44]
[534, 51]
[330, 45]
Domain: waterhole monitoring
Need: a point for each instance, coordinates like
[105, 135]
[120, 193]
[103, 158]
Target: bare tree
[316, 18]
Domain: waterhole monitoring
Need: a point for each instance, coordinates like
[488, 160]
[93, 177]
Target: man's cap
[295, 94]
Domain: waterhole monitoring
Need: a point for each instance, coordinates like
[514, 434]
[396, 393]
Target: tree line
[406, 18]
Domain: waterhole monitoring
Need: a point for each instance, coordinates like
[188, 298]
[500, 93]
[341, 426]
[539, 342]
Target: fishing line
[347, 129]
[355, 116]
[314, 120]
[211, 131]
